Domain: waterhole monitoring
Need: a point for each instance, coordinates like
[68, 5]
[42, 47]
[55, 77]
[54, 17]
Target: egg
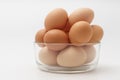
[81, 14]
[56, 39]
[91, 53]
[47, 56]
[56, 19]
[72, 57]
[80, 32]
[39, 37]
[97, 34]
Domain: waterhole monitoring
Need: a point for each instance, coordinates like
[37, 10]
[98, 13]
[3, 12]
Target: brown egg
[39, 37]
[97, 34]
[47, 56]
[72, 57]
[91, 53]
[80, 32]
[56, 19]
[56, 39]
[81, 14]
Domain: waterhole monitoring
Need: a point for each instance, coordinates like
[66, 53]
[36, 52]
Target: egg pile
[63, 35]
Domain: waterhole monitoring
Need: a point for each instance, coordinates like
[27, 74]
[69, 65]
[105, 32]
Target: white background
[19, 21]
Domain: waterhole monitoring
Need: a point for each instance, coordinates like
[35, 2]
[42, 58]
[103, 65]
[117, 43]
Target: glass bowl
[67, 57]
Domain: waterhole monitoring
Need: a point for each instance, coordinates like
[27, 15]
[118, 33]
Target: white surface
[20, 19]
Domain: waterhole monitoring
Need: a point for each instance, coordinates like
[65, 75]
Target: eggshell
[97, 34]
[56, 39]
[39, 37]
[91, 53]
[47, 56]
[81, 14]
[80, 32]
[72, 57]
[56, 19]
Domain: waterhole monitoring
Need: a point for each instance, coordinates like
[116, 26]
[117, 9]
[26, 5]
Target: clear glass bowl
[67, 57]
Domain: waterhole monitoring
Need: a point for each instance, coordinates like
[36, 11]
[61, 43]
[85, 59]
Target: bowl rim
[68, 43]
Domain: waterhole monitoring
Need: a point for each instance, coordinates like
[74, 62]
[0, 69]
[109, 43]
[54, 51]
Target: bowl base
[59, 69]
